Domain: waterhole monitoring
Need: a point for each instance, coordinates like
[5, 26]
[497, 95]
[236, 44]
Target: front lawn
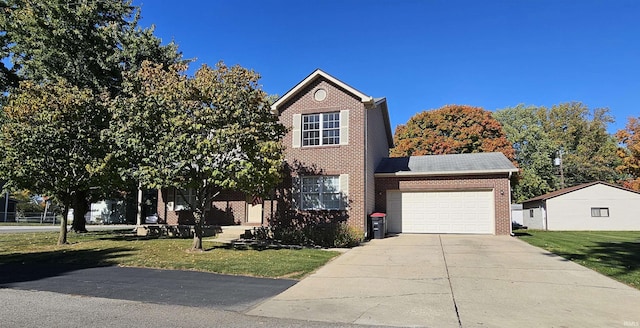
[120, 248]
[613, 253]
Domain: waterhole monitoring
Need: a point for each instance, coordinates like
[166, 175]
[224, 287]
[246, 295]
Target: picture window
[320, 192]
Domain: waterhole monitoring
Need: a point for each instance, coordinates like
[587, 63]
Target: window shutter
[344, 191]
[297, 130]
[295, 192]
[344, 127]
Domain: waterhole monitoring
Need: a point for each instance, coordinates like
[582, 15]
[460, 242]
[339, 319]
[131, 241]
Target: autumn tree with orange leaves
[630, 155]
[452, 129]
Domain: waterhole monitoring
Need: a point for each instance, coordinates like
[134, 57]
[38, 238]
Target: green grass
[120, 248]
[613, 253]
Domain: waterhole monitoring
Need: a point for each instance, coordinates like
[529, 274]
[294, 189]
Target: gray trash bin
[378, 225]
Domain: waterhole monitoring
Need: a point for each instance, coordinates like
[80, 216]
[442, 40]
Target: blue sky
[423, 54]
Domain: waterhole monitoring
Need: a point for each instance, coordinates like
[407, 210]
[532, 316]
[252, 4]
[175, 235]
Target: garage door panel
[441, 212]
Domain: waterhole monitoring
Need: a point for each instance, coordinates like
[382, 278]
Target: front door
[254, 212]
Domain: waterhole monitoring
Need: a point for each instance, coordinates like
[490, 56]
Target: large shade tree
[569, 132]
[452, 129]
[534, 150]
[630, 153]
[86, 42]
[580, 135]
[51, 141]
[63, 47]
[210, 132]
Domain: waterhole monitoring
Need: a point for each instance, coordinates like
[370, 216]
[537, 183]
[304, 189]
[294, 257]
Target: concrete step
[231, 233]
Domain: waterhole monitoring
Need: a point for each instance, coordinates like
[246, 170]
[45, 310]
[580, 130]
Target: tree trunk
[62, 238]
[197, 236]
[80, 207]
[139, 217]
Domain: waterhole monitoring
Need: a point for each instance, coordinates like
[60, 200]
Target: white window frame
[328, 129]
[599, 212]
[307, 191]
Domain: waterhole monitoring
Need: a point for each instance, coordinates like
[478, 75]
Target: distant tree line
[537, 139]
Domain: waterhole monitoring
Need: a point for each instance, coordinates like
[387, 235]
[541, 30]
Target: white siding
[535, 221]
[572, 211]
[516, 214]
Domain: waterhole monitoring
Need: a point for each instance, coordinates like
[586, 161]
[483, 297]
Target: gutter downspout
[544, 215]
[510, 211]
[366, 175]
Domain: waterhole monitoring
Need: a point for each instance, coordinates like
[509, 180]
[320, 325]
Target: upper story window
[321, 129]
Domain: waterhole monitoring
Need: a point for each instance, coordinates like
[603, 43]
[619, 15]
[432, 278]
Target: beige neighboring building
[590, 206]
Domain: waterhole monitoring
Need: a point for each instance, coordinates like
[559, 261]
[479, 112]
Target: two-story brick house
[338, 137]
[336, 157]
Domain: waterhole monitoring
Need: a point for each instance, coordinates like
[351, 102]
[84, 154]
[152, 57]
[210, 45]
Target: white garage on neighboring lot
[591, 206]
[461, 193]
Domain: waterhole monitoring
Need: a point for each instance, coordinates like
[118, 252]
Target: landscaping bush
[324, 235]
[291, 236]
[348, 236]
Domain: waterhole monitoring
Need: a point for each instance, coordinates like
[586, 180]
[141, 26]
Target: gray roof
[454, 164]
[574, 188]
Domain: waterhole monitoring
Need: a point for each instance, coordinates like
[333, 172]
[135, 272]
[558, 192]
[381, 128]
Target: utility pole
[558, 162]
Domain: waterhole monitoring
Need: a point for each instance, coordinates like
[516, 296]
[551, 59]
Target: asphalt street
[120, 297]
[173, 287]
[59, 296]
[37, 309]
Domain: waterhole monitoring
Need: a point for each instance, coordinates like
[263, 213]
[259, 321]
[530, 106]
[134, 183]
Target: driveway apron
[456, 281]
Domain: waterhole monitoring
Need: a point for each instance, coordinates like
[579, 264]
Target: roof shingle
[456, 164]
[573, 188]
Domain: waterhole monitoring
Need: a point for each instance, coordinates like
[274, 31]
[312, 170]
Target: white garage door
[441, 212]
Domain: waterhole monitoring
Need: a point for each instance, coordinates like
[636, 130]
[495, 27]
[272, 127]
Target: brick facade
[356, 158]
[499, 184]
[335, 159]
[227, 209]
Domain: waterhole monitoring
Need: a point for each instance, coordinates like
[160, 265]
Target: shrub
[291, 236]
[348, 236]
[324, 235]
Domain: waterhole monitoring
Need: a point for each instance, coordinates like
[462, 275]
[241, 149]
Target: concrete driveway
[456, 281]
